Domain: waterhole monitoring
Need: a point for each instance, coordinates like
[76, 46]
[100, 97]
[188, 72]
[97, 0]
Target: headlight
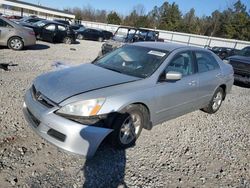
[83, 108]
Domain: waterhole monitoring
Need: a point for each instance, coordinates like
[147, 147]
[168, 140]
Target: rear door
[49, 32]
[175, 98]
[209, 76]
[5, 31]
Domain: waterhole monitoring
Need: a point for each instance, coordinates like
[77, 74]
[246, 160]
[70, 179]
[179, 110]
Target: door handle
[192, 83]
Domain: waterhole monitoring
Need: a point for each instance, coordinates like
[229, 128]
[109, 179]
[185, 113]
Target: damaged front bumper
[65, 134]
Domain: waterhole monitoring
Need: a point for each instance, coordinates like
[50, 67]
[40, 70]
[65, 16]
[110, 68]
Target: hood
[242, 59]
[62, 84]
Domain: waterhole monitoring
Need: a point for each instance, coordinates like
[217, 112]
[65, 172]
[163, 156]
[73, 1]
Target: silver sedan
[14, 35]
[134, 87]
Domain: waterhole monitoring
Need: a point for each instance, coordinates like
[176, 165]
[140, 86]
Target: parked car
[65, 22]
[134, 87]
[15, 36]
[107, 34]
[91, 34]
[241, 65]
[125, 35]
[78, 29]
[26, 20]
[52, 31]
[224, 52]
[13, 17]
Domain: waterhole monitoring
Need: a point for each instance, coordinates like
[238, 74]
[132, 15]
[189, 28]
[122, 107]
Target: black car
[52, 31]
[224, 52]
[107, 34]
[65, 22]
[78, 29]
[91, 34]
[241, 65]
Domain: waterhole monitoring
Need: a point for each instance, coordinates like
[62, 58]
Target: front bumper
[65, 134]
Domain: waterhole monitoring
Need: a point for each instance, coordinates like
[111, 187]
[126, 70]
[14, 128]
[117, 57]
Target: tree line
[232, 23]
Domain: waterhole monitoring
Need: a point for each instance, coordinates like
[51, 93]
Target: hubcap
[16, 43]
[217, 101]
[130, 128]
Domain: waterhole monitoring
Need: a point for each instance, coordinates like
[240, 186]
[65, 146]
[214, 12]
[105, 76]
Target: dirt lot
[195, 150]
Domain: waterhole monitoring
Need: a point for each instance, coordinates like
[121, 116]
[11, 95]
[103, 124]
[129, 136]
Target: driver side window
[183, 63]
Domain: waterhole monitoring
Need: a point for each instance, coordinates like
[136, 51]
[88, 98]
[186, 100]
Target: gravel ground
[195, 150]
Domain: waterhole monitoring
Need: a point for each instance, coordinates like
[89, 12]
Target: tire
[215, 102]
[67, 40]
[100, 39]
[128, 126]
[80, 37]
[15, 43]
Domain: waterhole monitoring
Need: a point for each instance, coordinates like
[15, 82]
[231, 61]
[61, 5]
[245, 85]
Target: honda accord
[132, 88]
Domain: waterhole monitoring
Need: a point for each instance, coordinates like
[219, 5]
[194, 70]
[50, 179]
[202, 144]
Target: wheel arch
[148, 125]
[224, 87]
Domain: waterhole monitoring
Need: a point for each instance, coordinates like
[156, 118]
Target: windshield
[133, 60]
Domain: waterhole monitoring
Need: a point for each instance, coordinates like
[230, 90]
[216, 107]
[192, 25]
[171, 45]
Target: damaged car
[132, 88]
[125, 35]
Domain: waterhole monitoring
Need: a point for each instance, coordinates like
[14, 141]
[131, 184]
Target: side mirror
[173, 76]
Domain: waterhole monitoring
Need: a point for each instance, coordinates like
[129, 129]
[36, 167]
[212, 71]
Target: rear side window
[206, 62]
[61, 28]
[4, 24]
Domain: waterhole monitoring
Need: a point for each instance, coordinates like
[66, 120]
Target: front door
[175, 98]
[49, 32]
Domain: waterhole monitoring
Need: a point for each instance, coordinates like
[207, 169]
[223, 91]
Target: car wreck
[132, 88]
[126, 34]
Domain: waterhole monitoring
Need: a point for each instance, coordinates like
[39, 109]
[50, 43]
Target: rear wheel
[128, 126]
[67, 40]
[15, 43]
[215, 102]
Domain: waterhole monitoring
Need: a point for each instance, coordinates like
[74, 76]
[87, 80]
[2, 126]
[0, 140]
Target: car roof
[166, 46]
[55, 22]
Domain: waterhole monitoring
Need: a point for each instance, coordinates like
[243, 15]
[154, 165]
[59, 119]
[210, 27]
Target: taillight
[31, 32]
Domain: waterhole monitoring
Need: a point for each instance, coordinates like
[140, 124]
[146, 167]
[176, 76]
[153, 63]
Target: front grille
[40, 98]
[34, 119]
[57, 135]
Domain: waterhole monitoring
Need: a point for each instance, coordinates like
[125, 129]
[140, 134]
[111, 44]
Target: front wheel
[67, 40]
[127, 127]
[215, 102]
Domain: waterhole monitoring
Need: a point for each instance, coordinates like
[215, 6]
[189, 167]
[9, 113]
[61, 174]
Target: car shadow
[106, 168]
[37, 47]
[241, 84]
[76, 42]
